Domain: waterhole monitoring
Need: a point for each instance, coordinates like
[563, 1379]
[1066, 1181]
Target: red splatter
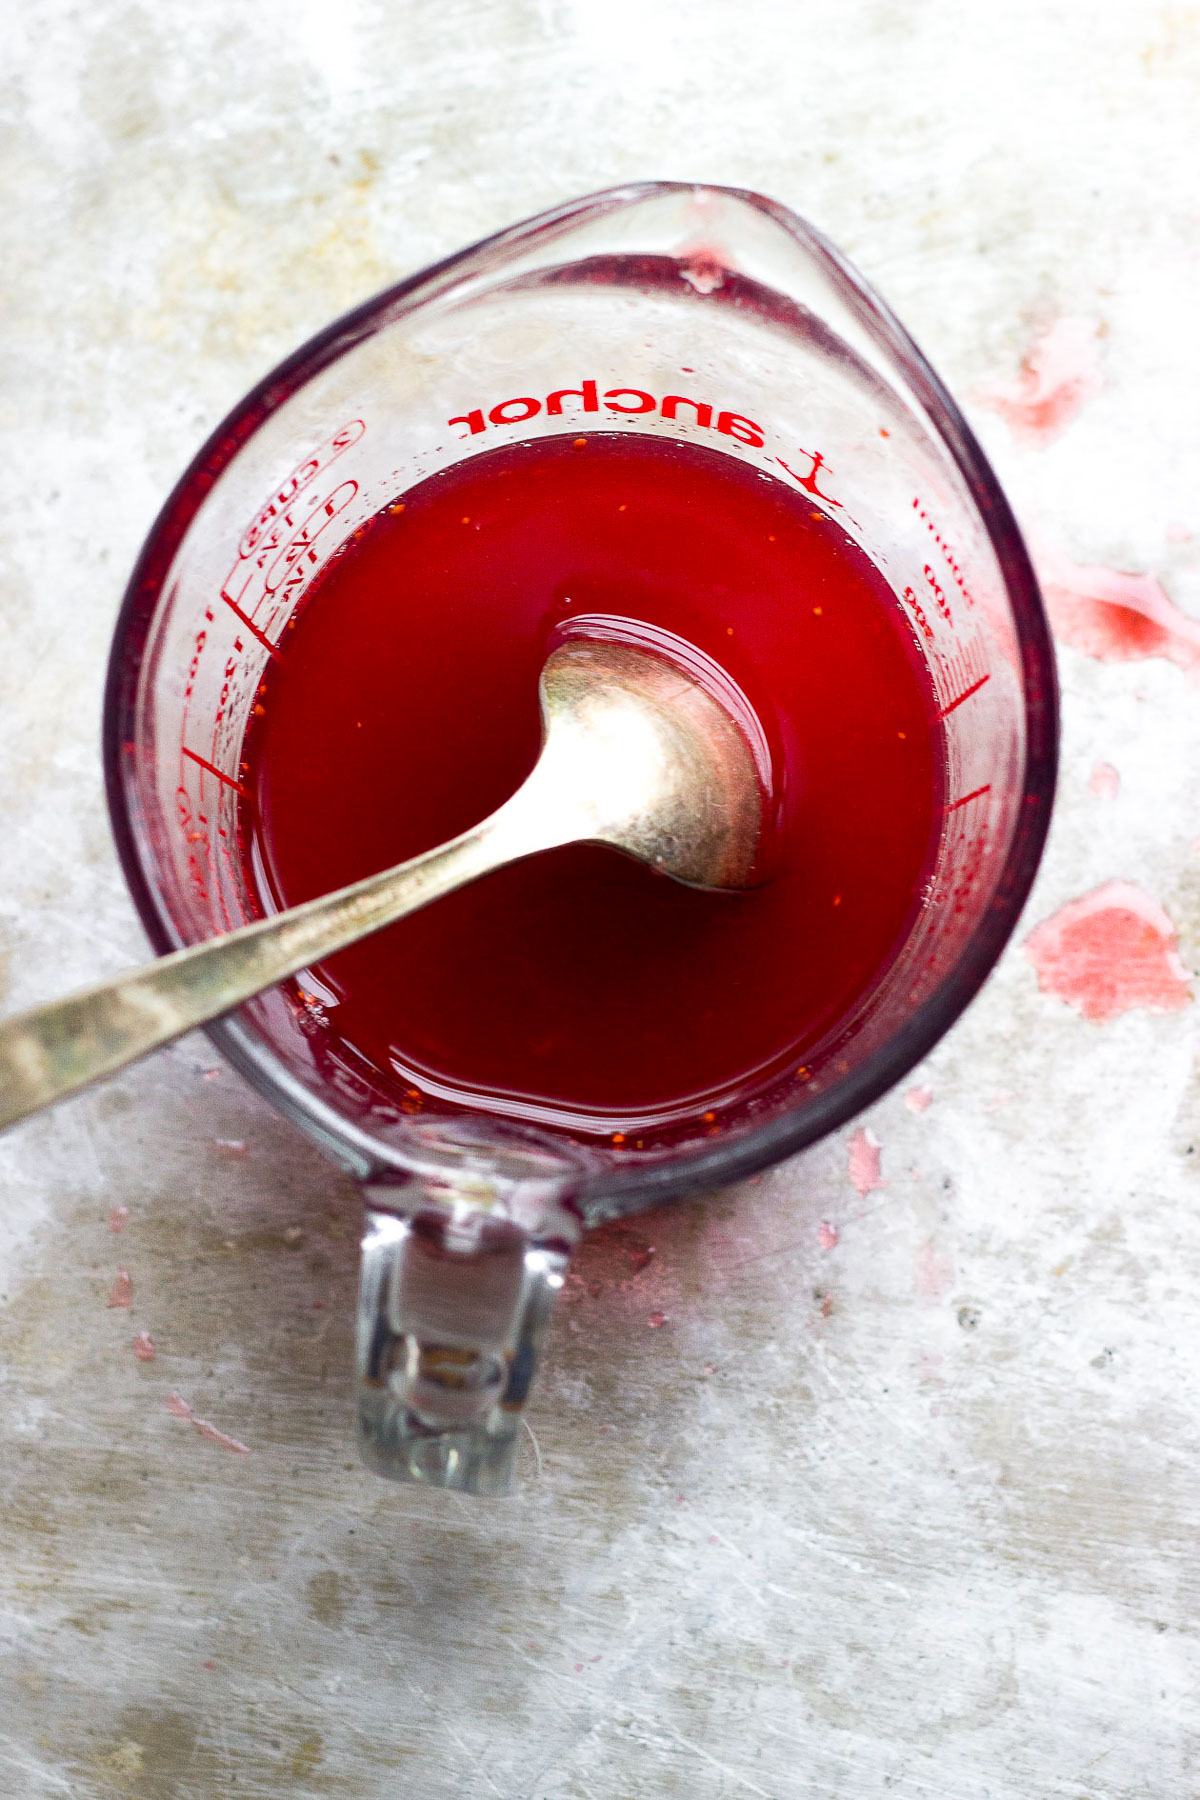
[656, 1321]
[828, 1236]
[143, 1347]
[1177, 533]
[118, 1217]
[1105, 781]
[934, 1272]
[1060, 372]
[122, 1289]
[231, 1147]
[918, 1098]
[209, 1665]
[863, 1161]
[179, 1409]
[1115, 616]
[1109, 951]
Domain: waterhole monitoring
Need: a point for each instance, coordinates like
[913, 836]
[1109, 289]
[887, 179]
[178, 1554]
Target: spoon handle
[52, 1051]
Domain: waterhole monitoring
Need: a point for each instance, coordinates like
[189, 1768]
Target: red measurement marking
[300, 477]
[954, 674]
[301, 541]
[266, 643]
[219, 773]
[974, 689]
[809, 482]
[946, 551]
[974, 795]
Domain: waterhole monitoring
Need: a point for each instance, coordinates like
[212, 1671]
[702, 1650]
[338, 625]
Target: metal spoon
[636, 753]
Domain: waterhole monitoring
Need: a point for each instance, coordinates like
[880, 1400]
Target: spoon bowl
[639, 755]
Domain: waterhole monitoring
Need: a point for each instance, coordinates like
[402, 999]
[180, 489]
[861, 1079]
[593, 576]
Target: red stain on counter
[917, 1099]
[1108, 952]
[1116, 616]
[118, 1218]
[143, 1347]
[863, 1162]
[179, 1409]
[639, 1254]
[935, 1272]
[1105, 781]
[122, 1289]
[1061, 370]
[828, 1236]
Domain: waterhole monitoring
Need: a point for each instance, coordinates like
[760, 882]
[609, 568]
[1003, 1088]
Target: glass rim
[616, 1189]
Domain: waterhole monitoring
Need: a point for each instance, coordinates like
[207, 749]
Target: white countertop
[914, 1512]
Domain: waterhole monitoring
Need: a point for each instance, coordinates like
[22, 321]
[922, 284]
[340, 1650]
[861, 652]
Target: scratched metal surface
[914, 1511]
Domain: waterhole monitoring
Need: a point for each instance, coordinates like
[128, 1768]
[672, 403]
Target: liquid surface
[577, 988]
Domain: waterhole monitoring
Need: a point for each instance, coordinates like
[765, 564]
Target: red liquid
[577, 988]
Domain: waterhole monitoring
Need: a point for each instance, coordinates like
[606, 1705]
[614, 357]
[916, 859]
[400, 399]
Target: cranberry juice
[577, 988]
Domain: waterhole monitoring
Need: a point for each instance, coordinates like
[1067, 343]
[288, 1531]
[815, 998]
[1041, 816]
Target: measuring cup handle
[453, 1305]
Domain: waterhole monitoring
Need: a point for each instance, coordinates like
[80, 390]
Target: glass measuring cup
[706, 315]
